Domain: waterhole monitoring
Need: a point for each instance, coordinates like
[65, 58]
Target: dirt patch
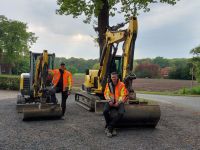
[162, 84]
[150, 84]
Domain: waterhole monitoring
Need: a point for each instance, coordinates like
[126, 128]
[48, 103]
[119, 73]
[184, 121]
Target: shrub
[194, 90]
[9, 82]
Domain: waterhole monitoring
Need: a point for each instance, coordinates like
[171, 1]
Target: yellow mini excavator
[34, 99]
[138, 113]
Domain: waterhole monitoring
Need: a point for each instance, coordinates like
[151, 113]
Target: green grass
[8, 75]
[175, 93]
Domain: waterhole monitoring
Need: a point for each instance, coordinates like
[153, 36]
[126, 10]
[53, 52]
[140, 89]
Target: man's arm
[69, 81]
[123, 94]
[108, 96]
[107, 92]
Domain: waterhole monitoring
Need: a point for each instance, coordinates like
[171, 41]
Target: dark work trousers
[64, 95]
[111, 122]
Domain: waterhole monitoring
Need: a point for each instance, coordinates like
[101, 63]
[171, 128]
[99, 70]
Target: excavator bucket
[20, 107]
[136, 114]
[43, 111]
[140, 115]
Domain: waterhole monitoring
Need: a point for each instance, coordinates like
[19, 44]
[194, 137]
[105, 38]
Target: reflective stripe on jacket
[67, 78]
[120, 94]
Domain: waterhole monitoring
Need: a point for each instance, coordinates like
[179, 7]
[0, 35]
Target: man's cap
[62, 63]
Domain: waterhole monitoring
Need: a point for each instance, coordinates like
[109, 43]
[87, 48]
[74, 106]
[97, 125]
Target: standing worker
[116, 94]
[62, 82]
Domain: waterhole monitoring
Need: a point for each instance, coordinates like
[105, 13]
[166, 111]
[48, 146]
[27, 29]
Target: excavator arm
[113, 38]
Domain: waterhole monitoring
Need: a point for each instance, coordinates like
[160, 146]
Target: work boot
[114, 133]
[62, 117]
[106, 130]
[109, 134]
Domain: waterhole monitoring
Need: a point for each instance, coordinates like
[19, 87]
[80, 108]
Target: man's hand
[68, 92]
[110, 103]
[116, 104]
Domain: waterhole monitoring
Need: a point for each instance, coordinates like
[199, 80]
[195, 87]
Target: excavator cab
[116, 66]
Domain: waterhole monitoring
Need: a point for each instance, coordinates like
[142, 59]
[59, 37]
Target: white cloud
[37, 29]
[81, 38]
[166, 14]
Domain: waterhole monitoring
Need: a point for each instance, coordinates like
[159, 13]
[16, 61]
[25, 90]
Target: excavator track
[86, 100]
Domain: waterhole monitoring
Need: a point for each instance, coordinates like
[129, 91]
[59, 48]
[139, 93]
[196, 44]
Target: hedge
[9, 82]
[190, 91]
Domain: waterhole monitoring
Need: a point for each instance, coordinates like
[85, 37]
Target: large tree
[102, 9]
[15, 40]
[196, 61]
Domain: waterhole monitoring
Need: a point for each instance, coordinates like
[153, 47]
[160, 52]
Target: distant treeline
[76, 65]
[159, 67]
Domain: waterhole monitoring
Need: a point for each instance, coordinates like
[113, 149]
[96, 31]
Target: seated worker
[62, 82]
[116, 94]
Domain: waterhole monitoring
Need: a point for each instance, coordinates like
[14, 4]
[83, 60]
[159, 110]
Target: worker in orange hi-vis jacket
[116, 94]
[62, 82]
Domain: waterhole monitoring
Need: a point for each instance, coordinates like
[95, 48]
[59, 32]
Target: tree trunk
[103, 23]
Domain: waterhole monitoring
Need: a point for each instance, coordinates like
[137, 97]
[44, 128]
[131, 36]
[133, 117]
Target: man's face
[114, 79]
[62, 67]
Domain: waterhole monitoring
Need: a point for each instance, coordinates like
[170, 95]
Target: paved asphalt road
[181, 101]
[5, 94]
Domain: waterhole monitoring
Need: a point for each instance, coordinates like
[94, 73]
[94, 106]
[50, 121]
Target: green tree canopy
[102, 9]
[15, 40]
[162, 62]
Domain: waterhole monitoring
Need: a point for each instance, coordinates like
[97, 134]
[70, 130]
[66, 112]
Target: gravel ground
[177, 129]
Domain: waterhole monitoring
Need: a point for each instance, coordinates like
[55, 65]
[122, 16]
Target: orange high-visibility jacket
[67, 78]
[120, 94]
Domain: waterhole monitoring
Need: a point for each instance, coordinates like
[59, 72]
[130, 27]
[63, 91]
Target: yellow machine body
[34, 98]
[91, 97]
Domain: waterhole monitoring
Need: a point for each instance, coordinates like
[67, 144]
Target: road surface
[181, 101]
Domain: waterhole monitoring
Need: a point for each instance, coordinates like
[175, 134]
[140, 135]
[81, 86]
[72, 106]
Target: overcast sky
[167, 31]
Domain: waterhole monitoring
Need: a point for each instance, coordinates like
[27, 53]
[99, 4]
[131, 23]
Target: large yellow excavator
[34, 99]
[142, 113]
